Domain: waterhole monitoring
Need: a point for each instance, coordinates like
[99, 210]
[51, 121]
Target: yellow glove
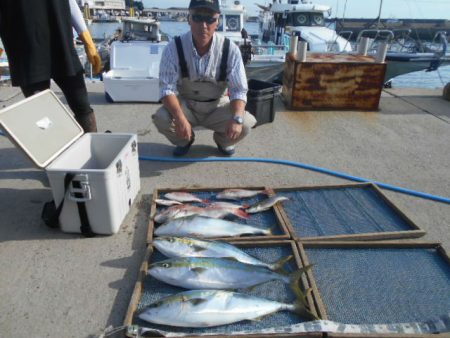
[91, 52]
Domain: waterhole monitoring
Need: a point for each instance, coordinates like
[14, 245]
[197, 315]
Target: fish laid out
[183, 197]
[222, 204]
[265, 204]
[166, 203]
[207, 308]
[193, 247]
[216, 273]
[185, 210]
[206, 227]
[237, 194]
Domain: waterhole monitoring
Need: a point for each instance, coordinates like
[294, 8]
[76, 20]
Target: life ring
[301, 19]
[318, 19]
[232, 24]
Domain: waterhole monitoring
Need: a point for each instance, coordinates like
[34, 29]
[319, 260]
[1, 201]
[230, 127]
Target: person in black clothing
[38, 40]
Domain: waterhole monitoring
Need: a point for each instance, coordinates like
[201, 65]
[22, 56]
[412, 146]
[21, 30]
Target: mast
[379, 14]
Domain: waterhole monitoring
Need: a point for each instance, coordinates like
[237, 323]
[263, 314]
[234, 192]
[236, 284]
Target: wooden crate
[144, 281]
[279, 227]
[333, 81]
[439, 266]
[339, 221]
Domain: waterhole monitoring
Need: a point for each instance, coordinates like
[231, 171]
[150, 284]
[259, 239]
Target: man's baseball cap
[209, 4]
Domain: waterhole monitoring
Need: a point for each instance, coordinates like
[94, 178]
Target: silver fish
[166, 203]
[214, 273]
[193, 247]
[237, 194]
[207, 308]
[183, 197]
[198, 226]
[185, 210]
[265, 204]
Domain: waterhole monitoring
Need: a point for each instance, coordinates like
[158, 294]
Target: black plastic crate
[261, 100]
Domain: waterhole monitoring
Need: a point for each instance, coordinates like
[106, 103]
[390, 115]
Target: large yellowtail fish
[206, 227]
[173, 247]
[207, 308]
[215, 273]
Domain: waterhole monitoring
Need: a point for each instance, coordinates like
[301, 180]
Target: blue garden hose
[298, 165]
[303, 166]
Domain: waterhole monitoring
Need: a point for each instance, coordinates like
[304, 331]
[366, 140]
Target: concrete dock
[54, 284]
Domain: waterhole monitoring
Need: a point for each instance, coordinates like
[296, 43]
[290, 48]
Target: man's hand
[183, 128]
[234, 130]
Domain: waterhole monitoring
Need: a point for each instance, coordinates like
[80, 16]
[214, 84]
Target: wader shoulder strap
[224, 61]
[181, 58]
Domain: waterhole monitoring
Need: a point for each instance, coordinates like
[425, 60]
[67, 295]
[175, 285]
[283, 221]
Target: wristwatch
[238, 119]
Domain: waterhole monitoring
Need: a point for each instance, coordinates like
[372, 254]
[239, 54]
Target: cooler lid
[137, 55]
[41, 126]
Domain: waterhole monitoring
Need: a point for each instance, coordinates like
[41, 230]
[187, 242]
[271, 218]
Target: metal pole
[379, 14]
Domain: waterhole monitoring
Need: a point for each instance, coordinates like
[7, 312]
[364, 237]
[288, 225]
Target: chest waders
[203, 96]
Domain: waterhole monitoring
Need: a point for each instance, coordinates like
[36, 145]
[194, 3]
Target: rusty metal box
[333, 81]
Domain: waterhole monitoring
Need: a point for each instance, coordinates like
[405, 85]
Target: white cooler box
[106, 166]
[134, 74]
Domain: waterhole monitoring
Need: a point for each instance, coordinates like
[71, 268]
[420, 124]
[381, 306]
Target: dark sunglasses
[203, 18]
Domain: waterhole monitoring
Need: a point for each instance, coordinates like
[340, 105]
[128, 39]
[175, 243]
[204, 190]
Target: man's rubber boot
[87, 122]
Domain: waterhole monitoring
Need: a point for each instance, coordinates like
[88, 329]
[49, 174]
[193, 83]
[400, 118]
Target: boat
[231, 21]
[281, 20]
[406, 54]
[141, 29]
[305, 19]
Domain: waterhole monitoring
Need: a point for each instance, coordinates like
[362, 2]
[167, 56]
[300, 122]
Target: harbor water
[421, 79]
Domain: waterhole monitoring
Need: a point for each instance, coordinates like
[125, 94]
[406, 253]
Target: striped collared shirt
[170, 73]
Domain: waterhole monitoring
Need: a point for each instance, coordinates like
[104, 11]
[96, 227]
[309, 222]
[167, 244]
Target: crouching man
[203, 83]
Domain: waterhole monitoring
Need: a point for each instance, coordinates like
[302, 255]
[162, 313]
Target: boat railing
[385, 35]
[440, 37]
[346, 34]
[268, 49]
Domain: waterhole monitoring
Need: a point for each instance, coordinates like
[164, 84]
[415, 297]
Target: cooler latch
[80, 190]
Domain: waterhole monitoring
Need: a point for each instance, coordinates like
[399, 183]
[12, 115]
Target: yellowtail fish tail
[303, 311]
[272, 230]
[278, 266]
[295, 279]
